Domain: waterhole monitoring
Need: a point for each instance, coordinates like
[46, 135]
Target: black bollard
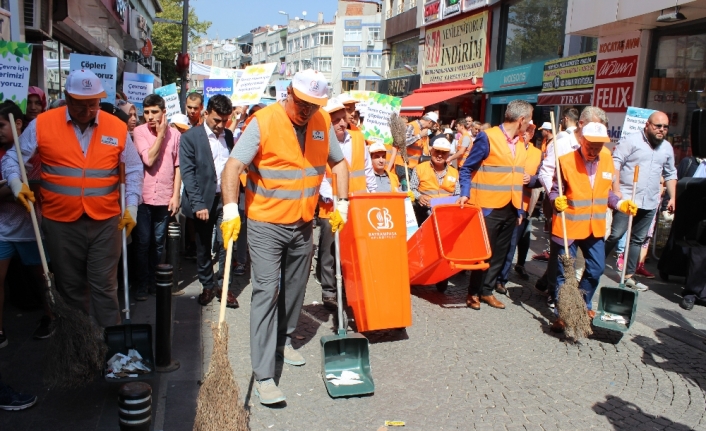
[174, 242]
[163, 333]
[135, 406]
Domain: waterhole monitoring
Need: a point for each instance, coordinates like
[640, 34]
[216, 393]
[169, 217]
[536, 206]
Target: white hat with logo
[180, 120]
[442, 144]
[433, 116]
[83, 84]
[377, 147]
[310, 86]
[333, 105]
[546, 126]
[595, 132]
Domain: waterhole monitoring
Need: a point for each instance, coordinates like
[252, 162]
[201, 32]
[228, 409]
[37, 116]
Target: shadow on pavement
[624, 415]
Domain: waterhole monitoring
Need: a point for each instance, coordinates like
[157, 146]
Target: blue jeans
[150, 234]
[593, 250]
[640, 227]
[621, 244]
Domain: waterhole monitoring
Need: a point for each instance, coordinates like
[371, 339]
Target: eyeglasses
[660, 126]
[306, 107]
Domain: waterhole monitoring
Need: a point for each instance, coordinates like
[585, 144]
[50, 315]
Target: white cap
[595, 132]
[346, 98]
[333, 105]
[180, 120]
[310, 86]
[433, 116]
[376, 147]
[442, 144]
[449, 131]
[546, 126]
[83, 84]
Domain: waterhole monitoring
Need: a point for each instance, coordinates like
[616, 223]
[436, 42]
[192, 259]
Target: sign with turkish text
[252, 83]
[136, 87]
[225, 73]
[565, 98]
[171, 99]
[635, 120]
[569, 73]
[514, 78]
[362, 96]
[621, 67]
[432, 11]
[451, 8]
[456, 51]
[376, 124]
[15, 59]
[211, 87]
[281, 88]
[105, 68]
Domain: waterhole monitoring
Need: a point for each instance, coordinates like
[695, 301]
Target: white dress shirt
[219, 151]
[564, 145]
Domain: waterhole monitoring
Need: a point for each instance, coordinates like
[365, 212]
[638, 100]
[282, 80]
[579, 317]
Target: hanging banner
[211, 87]
[251, 85]
[15, 58]
[281, 88]
[136, 87]
[376, 124]
[569, 73]
[171, 99]
[105, 68]
[456, 51]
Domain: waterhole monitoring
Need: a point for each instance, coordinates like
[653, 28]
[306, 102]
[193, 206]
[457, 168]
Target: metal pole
[174, 241]
[184, 49]
[163, 320]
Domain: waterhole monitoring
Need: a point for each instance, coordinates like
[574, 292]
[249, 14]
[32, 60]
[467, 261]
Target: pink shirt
[158, 186]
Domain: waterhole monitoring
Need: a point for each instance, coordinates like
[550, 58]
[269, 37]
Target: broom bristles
[398, 130]
[218, 406]
[76, 350]
[571, 305]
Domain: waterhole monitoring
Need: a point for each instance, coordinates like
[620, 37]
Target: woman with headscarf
[131, 111]
[36, 103]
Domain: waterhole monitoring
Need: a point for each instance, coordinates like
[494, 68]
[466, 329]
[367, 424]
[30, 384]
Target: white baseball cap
[180, 120]
[448, 131]
[377, 147]
[346, 98]
[546, 126]
[83, 84]
[310, 86]
[433, 116]
[333, 105]
[595, 132]
[442, 144]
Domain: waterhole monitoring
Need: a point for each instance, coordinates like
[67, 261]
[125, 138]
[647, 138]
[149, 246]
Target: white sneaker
[636, 285]
[268, 392]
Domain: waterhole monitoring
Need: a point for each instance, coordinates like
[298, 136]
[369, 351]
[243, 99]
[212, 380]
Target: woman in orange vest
[587, 176]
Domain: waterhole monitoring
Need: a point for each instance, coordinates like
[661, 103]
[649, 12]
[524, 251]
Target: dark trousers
[150, 234]
[326, 260]
[399, 170]
[500, 225]
[521, 240]
[204, 236]
[695, 286]
[640, 226]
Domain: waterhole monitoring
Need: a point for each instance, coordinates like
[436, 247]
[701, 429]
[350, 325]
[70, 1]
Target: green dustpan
[616, 300]
[343, 351]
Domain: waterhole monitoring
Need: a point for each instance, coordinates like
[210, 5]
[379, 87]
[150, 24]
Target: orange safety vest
[586, 213]
[415, 151]
[498, 181]
[468, 150]
[394, 181]
[283, 184]
[534, 159]
[73, 183]
[429, 182]
[356, 171]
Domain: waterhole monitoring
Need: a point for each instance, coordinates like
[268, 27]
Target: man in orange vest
[465, 142]
[361, 178]
[492, 178]
[80, 197]
[286, 147]
[587, 177]
[387, 182]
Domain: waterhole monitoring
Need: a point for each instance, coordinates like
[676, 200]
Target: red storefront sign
[615, 97]
[578, 98]
[621, 67]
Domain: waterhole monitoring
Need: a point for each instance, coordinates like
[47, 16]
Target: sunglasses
[660, 126]
[305, 107]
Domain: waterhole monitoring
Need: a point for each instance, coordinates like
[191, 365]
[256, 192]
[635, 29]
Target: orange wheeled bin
[373, 260]
[451, 240]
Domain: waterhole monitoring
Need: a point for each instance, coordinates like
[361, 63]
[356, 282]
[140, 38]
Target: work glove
[22, 193]
[339, 217]
[627, 206]
[230, 226]
[410, 193]
[127, 221]
[561, 203]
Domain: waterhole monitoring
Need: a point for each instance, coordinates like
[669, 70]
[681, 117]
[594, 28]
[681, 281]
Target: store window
[534, 31]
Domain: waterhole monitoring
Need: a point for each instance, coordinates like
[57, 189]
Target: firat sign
[614, 97]
[622, 67]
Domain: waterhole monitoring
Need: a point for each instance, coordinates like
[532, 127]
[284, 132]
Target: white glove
[343, 210]
[230, 211]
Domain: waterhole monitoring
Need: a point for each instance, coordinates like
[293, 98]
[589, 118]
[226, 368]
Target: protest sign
[224, 73]
[211, 87]
[635, 120]
[362, 97]
[171, 99]
[376, 125]
[15, 58]
[281, 88]
[105, 68]
[251, 85]
[136, 87]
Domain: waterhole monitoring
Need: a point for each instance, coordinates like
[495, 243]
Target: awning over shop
[558, 98]
[415, 104]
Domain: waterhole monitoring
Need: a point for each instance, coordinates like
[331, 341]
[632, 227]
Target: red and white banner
[622, 67]
[614, 97]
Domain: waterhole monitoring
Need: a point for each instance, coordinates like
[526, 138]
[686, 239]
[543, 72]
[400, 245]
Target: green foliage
[535, 31]
[166, 38]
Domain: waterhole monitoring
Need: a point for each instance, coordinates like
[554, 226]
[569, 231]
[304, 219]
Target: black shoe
[500, 288]
[522, 272]
[687, 303]
[3, 339]
[141, 294]
[44, 330]
[13, 400]
[330, 303]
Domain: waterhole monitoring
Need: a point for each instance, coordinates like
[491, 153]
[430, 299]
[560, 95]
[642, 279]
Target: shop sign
[147, 48]
[452, 7]
[570, 73]
[558, 99]
[456, 51]
[473, 4]
[349, 76]
[621, 67]
[432, 11]
[400, 87]
[529, 75]
[504, 100]
[615, 97]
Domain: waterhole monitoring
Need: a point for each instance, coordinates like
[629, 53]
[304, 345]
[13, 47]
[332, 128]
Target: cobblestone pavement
[456, 368]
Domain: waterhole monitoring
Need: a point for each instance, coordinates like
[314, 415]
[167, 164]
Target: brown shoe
[231, 301]
[473, 302]
[591, 314]
[500, 288]
[207, 296]
[558, 326]
[492, 301]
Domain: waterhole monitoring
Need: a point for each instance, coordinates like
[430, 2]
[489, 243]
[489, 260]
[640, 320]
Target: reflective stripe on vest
[78, 191]
[78, 172]
[429, 182]
[414, 151]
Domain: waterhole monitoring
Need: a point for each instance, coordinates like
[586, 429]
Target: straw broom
[571, 305]
[218, 406]
[76, 351]
[398, 130]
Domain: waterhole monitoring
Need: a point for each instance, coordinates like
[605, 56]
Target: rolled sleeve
[134, 173]
[478, 153]
[669, 170]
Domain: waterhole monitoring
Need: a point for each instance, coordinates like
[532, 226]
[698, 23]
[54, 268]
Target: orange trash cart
[373, 261]
[449, 241]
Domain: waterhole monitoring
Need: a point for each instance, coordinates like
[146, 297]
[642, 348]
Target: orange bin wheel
[449, 241]
[373, 250]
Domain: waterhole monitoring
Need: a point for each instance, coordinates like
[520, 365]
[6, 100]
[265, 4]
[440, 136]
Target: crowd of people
[260, 176]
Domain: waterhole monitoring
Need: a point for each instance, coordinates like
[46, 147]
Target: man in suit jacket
[203, 153]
